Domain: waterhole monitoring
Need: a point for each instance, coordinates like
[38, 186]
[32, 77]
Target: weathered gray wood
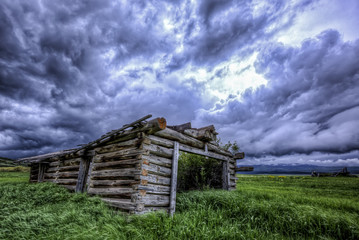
[203, 134]
[110, 191]
[158, 170]
[89, 180]
[64, 169]
[39, 158]
[181, 128]
[125, 172]
[113, 183]
[62, 175]
[83, 170]
[151, 199]
[160, 141]
[206, 149]
[70, 162]
[225, 174]
[42, 168]
[152, 178]
[133, 161]
[154, 189]
[118, 146]
[214, 148]
[52, 169]
[158, 150]
[121, 154]
[179, 137]
[189, 149]
[169, 134]
[165, 162]
[175, 157]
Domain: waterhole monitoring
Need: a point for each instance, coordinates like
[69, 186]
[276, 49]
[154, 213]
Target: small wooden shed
[135, 167]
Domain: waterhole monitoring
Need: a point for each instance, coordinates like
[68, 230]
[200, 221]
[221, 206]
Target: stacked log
[153, 191]
[132, 169]
[34, 172]
[63, 170]
[114, 173]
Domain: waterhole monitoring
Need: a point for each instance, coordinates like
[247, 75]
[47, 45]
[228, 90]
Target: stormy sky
[281, 78]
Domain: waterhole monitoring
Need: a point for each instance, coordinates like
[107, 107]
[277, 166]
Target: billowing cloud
[72, 70]
[310, 103]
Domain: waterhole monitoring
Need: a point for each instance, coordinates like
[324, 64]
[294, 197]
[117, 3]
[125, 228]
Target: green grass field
[263, 207]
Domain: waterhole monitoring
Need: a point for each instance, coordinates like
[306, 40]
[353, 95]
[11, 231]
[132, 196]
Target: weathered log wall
[63, 171]
[114, 173]
[132, 171]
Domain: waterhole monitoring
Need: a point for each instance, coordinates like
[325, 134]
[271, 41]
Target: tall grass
[261, 208]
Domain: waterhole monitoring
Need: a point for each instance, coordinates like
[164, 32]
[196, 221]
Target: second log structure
[135, 167]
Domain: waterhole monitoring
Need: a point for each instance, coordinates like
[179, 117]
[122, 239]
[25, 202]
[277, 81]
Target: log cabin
[133, 168]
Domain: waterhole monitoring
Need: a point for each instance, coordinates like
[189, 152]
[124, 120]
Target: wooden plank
[181, 128]
[225, 174]
[190, 141]
[173, 192]
[119, 163]
[201, 152]
[126, 172]
[214, 148]
[155, 179]
[201, 134]
[88, 180]
[118, 155]
[40, 176]
[70, 162]
[160, 141]
[52, 169]
[179, 137]
[62, 175]
[158, 150]
[158, 170]
[110, 191]
[83, 170]
[113, 183]
[39, 158]
[63, 169]
[151, 199]
[154, 189]
[118, 146]
[160, 161]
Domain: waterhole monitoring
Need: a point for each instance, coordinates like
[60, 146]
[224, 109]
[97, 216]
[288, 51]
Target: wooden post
[81, 179]
[225, 175]
[206, 149]
[174, 178]
[88, 181]
[40, 176]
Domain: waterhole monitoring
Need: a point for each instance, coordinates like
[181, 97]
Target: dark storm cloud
[310, 103]
[72, 70]
[218, 30]
[54, 78]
